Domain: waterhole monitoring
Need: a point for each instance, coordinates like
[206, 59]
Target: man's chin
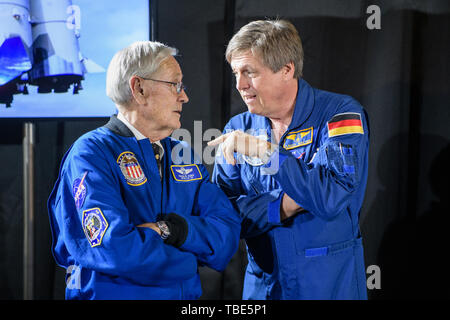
[172, 127]
[254, 110]
[177, 125]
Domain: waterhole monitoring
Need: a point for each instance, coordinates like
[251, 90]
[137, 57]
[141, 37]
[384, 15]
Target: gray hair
[276, 42]
[141, 58]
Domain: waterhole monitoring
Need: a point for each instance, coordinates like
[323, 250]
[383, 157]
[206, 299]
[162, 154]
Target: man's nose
[241, 83]
[183, 97]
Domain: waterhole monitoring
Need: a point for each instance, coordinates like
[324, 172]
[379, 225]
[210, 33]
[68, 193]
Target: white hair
[141, 58]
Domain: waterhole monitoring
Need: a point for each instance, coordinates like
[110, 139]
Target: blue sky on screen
[106, 27]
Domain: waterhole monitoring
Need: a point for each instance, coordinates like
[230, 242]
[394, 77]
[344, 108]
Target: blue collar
[118, 127]
[303, 106]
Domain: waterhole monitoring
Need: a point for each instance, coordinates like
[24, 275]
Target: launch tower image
[39, 47]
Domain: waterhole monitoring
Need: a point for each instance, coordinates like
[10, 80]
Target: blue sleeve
[334, 177]
[213, 227]
[124, 250]
[259, 212]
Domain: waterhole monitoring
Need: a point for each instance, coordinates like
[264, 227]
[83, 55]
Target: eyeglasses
[178, 85]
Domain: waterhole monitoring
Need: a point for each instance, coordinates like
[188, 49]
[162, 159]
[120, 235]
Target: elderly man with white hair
[130, 218]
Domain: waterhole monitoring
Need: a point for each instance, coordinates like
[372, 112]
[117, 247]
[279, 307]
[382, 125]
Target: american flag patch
[131, 169]
[345, 123]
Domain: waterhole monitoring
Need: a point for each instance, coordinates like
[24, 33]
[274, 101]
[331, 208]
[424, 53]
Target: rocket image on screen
[39, 46]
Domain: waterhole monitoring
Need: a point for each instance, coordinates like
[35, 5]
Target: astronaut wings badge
[131, 169]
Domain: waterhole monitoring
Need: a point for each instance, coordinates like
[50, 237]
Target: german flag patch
[345, 123]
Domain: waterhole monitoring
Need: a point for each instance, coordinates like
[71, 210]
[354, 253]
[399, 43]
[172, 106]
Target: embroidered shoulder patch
[185, 173]
[79, 190]
[131, 169]
[345, 123]
[299, 138]
[94, 226]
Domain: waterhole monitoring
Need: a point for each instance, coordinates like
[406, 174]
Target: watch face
[164, 227]
[253, 161]
[165, 232]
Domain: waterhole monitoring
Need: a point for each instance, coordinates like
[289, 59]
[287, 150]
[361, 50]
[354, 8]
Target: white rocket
[39, 46]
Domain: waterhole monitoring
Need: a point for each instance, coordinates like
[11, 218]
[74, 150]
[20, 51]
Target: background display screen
[54, 54]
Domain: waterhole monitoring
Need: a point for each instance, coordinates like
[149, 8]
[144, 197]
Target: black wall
[400, 74]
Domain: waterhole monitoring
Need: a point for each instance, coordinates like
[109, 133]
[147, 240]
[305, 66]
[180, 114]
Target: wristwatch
[165, 232]
[266, 156]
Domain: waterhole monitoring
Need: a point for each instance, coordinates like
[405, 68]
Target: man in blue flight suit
[300, 194]
[131, 216]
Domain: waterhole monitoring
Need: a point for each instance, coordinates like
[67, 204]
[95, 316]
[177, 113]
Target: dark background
[400, 74]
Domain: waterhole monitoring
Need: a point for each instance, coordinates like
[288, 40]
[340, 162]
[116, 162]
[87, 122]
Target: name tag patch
[185, 173]
[299, 138]
[94, 226]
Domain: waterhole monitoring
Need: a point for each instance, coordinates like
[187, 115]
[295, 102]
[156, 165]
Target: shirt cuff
[275, 161]
[178, 227]
[273, 210]
[282, 156]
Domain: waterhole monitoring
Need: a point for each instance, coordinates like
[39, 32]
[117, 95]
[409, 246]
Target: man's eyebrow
[176, 75]
[243, 67]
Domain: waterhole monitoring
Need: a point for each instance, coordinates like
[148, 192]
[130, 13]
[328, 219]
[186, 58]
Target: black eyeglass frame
[179, 86]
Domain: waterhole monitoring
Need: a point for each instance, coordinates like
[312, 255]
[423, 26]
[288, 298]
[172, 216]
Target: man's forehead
[170, 66]
[244, 60]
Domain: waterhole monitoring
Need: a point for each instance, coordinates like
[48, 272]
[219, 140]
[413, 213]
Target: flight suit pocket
[330, 272]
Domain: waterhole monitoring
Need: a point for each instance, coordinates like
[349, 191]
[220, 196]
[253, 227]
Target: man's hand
[152, 226]
[288, 207]
[246, 144]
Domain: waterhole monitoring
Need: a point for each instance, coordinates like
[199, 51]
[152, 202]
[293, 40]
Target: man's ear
[288, 71]
[137, 89]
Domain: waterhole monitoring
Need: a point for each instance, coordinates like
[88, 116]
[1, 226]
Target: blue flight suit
[322, 164]
[108, 184]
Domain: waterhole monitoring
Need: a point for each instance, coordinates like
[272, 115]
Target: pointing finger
[218, 140]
